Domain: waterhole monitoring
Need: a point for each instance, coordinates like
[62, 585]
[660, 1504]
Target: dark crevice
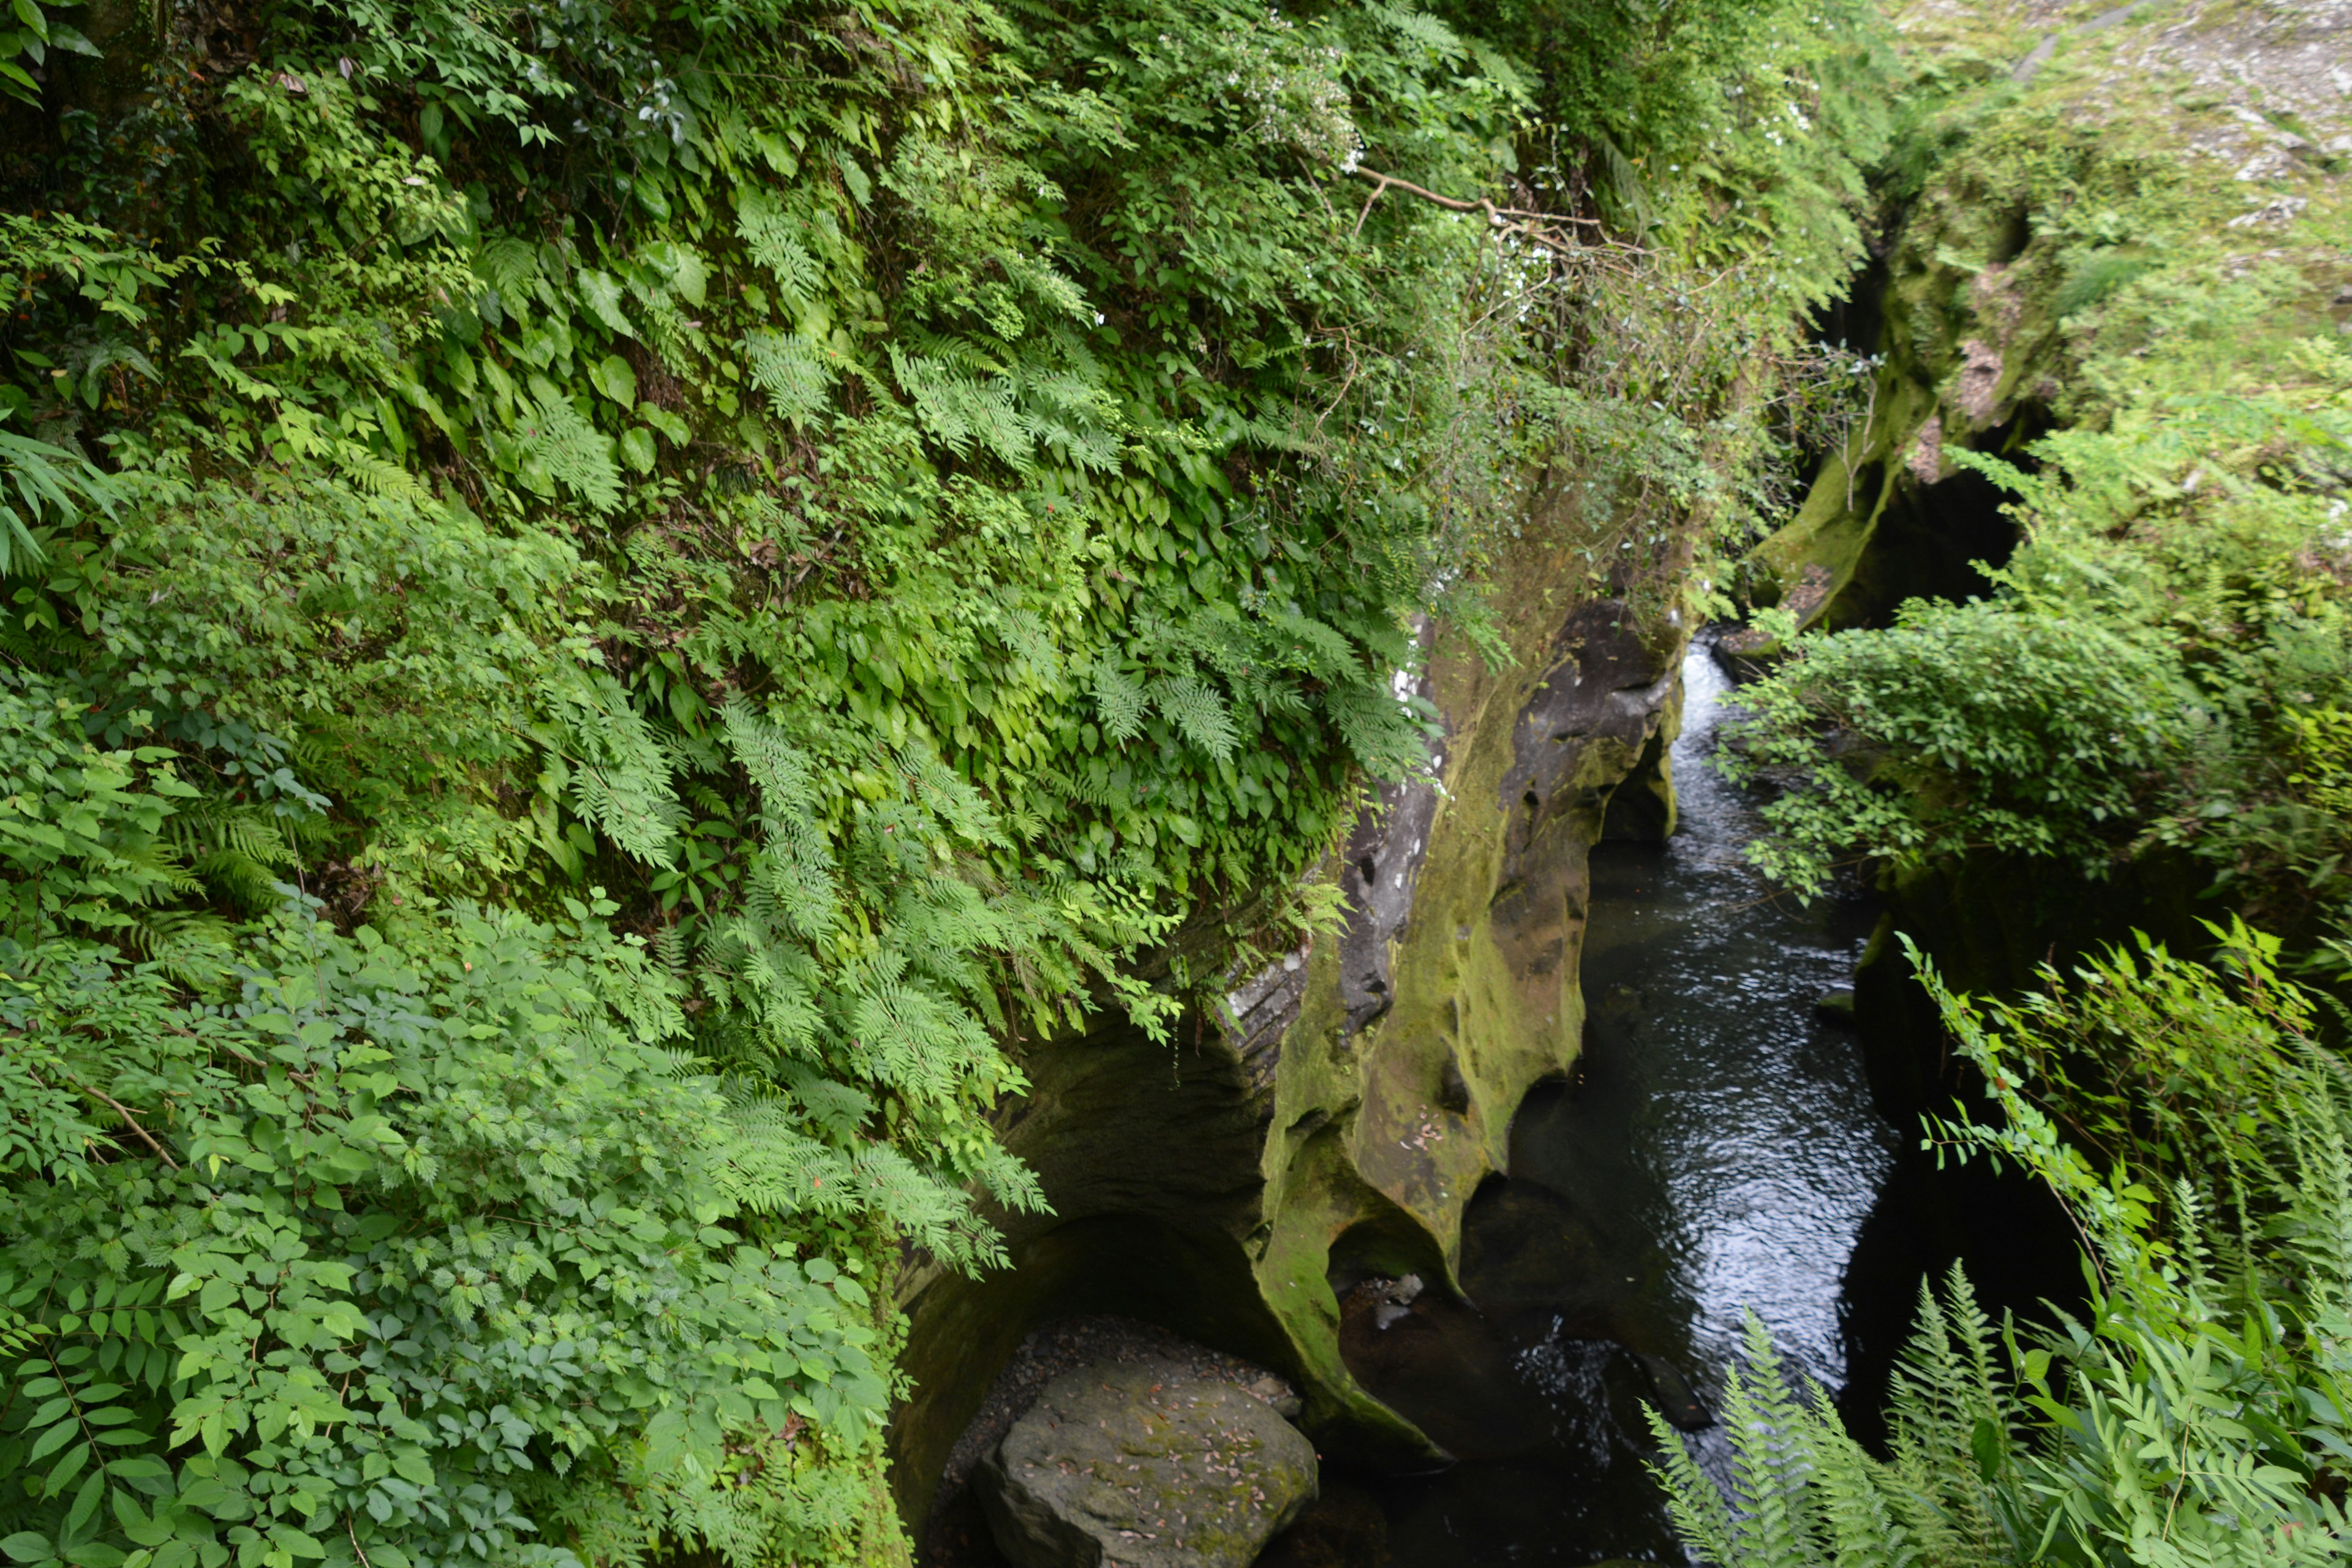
[1937, 540]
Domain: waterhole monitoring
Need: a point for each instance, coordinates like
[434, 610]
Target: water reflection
[1716, 1153]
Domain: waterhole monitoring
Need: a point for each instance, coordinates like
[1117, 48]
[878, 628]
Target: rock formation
[1144, 1464]
[1325, 1119]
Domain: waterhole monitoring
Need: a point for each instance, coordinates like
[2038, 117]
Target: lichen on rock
[1145, 1465]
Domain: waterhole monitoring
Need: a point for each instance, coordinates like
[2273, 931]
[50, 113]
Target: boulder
[1144, 1464]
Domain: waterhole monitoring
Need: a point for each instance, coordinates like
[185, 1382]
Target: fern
[379, 475]
[1803, 1494]
[1199, 713]
[964, 413]
[787, 369]
[508, 264]
[1385, 733]
[1118, 700]
[773, 240]
[560, 446]
[796, 869]
[2192, 1421]
[620, 776]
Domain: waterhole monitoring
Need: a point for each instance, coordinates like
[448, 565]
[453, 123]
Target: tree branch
[1511, 220]
[128, 1119]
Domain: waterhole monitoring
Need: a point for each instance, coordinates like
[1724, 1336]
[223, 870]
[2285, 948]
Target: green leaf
[615, 380]
[637, 449]
[668, 424]
[85, 1503]
[25, 1546]
[50, 1441]
[67, 1468]
[602, 293]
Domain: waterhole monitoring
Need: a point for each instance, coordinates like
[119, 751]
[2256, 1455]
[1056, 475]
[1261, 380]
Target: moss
[2025, 211]
[1382, 1135]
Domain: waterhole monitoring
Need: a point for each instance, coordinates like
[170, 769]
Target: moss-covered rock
[1452, 988]
[1145, 1465]
[2052, 160]
[1966, 340]
[1328, 1112]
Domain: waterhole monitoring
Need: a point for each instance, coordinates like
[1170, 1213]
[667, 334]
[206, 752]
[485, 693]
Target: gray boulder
[1144, 1464]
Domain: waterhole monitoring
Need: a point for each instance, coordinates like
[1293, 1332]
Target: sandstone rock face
[1144, 1464]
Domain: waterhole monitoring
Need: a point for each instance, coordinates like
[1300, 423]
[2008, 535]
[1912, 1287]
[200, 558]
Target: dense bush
[2166, 661]
[604, 602]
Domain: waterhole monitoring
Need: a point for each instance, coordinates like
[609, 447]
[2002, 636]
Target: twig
[129, 1120]
[1519, 220]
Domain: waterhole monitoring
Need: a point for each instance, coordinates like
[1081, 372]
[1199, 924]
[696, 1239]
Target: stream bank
[1719, 1143]
[1715, 1151]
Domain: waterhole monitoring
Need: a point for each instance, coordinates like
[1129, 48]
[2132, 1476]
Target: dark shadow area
[2006, 1232]
[1192, 1283]
[1934, 540]
[1857, 318]
[1992, 922]
[1148, 1155]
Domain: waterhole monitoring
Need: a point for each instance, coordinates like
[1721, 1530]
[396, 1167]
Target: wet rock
[1837, 1004]
[1526, 1249]
[1344, 1528]
[1442, 1366]
[1144, 1464]
[1676, 1401]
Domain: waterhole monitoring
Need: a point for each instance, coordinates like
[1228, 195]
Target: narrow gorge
[1508, 1160]
[1175, 784]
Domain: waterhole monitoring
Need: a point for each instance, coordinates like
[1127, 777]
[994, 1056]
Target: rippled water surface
[1717, 1155]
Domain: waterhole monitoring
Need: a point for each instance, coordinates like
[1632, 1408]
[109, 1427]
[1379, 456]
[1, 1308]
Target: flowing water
[1716, 1154]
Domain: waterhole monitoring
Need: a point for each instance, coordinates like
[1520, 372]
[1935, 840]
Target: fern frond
[773, 240]
[1118, 700]
[786, 367]
[560, 446]
[963, 412]
[511, 266]
[1199, 713]
[1384, 732]
[620, 774]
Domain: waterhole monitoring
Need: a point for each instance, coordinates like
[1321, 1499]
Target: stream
[1716, 1153]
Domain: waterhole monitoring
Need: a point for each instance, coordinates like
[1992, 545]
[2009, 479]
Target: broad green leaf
[615, 380]
[637, 449]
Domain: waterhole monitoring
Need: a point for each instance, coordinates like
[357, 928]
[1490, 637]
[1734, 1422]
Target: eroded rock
[1144, 1464]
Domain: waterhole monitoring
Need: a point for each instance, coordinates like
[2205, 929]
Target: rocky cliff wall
[1328, 1114]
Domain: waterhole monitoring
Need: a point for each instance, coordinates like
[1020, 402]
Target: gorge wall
[1328, 1116]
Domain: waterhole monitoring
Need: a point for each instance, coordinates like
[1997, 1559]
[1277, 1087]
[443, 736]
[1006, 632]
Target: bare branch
[1547, 229]
[128, 1119]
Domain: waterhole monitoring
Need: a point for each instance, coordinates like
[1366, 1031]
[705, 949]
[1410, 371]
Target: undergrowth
[608, 606]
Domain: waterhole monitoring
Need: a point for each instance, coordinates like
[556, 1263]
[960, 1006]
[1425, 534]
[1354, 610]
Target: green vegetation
[2163, 666]
[2166, 659]
[2195, 1412]
[603, 603]
[2166, 662]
